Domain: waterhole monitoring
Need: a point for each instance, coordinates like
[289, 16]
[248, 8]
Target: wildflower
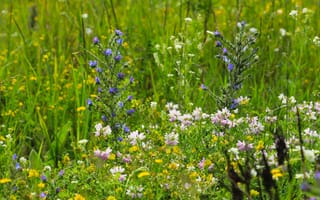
[111, 198]
[224, 51]
[203, 87]
[79, 197]
[41, 185]
[17, 166]
[305, 186]
[129, 97]
[61, 172]
[43, 178]
[136, 136]
[96, 40]
[202, 163]
[217, 34]
[158, 161]
[93, 63]
[33, 173]
[119, 41]
[97, 80]
[254, 193]
[276, 173]
[83, 141]
[171, 139]
[43, 195]
[118, 32]
[89, 102]
[130, 112]
[14, 157]
[143, 174]
[293, 13]
[104, 155]
[131, 79]
[117, 169]
[81, 108]
[120, 76]
[218, 44]
[5, 180]
[108, 52]
[242, 146]
[230, 66]
[113, 90]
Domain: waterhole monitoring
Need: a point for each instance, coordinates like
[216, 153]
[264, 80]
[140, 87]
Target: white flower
[309, 155]
[316, 41]
[283, 32]
[83, 141]
[106, 130]
[253, 30]
[153, 105]
[293, 13]
[117, 169]
[84, 15]
[171, 138]
[23, 160]
[188, 19]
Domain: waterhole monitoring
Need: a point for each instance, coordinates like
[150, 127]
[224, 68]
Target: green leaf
[35, 160]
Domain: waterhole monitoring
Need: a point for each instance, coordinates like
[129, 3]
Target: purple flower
[130, 112]
[58, 190]
[131, 79]
[117, 57]
[113, 90]
[108, 52]
[126, 129]
[43, 178]
[118, 32]
[121, 104]
[120, 75]
[203, 87]
[317, 175]
[98, 69]
[93, 63]
[230, 66]
[43, 195]
[14, 157]
[104, 118]
[61, 173]
[129, 97]
[305, 186]
[119, 41]
[218, 44]
[217, 34]
[225, 51]
[96, 40]
[120, 139]
[99, 89]
[18, 166]
[89, 102]
[97, 80]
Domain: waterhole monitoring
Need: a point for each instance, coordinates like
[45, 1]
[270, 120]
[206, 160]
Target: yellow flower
[254, 193]
[81, 108]
[193, 175]
[41, 185]
[260, 145]
[66, 159]
[133, 149]
[176, 149]
[112, 156]
[79, 197]
[2, 138]
[5, 180]
[111, 198]
[142, 174]
[173, 166]
[276, 173]
[33, 173]
[159, 161]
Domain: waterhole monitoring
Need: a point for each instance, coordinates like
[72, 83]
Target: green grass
[45, 81]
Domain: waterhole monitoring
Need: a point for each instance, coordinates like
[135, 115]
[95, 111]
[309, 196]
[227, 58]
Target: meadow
[172, 99]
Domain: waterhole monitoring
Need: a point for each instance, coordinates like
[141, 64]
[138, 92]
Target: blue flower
[117, 57]
[14, 157]
[96, 40]
[113, 90]
[203, 87]
[119, 40]
[93, 63]
[43, 195]
[98, 69]
[217, 34]
[89, 102]
[108, 52]
[130, 112]
[18, 166]
[43, 178]
[230, 66]
[129, 97]
[126, 129]
[218, 44]
[97, 80]
[104, 118]
[120, 75]
[225, 51]
[121, 104]
[118, 32]
[131, 79]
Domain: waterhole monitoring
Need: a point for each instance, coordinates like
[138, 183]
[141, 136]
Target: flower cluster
[112, 81]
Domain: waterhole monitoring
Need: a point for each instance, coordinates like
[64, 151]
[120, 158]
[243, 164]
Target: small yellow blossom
[81, 108]
[193, 175]
[143, 174]
[173, 166]
[112, 156]
[33, 78]
[111, 198]
[159, 161]
[41, 185]
[214, 139]
[2, 138]
[5, 180]
[176, 150]
[276, 173]
[33, 173]
[260, 145]
[119, 190]
[254, 193]
[79, 197]
[133, 149]
[66, 159]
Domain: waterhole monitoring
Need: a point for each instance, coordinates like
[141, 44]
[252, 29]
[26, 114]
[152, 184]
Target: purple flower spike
[97, 80]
